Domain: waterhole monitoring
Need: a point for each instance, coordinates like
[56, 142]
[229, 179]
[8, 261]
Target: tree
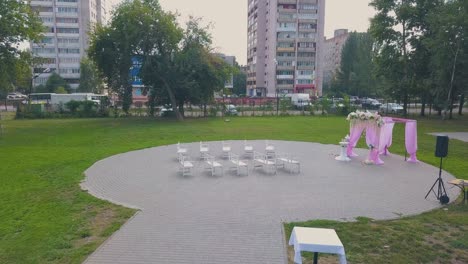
[18, 23]
[392, 30]
[240, 81]
[55, 82]
[90, 82]
[449, 46]
[355, 75]
[138, 27]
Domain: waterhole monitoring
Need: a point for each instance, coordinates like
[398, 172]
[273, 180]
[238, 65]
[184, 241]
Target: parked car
[370, 103]
[166, 111]
[391, 108]
[16, 96]
[231, 110]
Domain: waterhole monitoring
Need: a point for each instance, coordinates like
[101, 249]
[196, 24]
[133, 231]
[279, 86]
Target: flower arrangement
[365, 116]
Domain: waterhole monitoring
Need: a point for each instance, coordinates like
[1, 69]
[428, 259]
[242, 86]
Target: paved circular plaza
[238, 219]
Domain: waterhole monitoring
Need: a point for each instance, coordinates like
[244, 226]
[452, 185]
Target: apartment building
[333, 48]
[285, 39]
[231, 60]
[66, 40]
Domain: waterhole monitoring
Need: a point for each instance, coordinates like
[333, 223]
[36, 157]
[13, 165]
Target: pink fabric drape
[354, 135]
[411, 140]
[386, 136]
[372, 138]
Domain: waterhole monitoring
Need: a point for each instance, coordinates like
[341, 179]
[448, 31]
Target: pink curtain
[411, 140]
[354, 135]
[373, 138]
[386, 136]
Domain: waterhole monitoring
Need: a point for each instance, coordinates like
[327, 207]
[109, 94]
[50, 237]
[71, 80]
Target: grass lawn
[46, 217]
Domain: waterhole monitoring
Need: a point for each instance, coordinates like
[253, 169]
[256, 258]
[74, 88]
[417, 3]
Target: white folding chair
[212, 165]
[269, 149]
[186, 166]
[238, 164]
[204, 150]
[182, 151]
[265, 162]
[287, 161]
[226, 149]
[248, 149]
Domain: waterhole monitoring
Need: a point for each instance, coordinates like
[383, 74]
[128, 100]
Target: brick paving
[238, 219]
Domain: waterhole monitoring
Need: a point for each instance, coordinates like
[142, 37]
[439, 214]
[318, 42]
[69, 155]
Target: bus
[57, 99]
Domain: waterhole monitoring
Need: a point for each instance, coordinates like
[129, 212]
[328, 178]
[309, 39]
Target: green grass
[46, 217]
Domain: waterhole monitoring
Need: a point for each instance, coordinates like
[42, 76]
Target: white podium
[343, 155]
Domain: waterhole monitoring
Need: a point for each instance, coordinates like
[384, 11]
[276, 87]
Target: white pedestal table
[317, 240]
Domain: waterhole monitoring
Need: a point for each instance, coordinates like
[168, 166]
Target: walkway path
[462, 136]
[238, 219]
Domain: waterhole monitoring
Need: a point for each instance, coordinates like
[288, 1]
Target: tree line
[177, 65]
[414, 48]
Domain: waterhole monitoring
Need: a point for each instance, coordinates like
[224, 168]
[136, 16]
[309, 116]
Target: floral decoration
[365, 116]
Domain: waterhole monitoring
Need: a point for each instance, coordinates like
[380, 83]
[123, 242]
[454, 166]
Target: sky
[229, 19]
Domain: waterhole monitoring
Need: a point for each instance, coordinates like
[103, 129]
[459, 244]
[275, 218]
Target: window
[68, 40]
[68, 30]
[69, 60]
[67, 9]
[68, 20]
[42, 8]
[307, 72]
[43, 50]
[69, 70]
[47, 19]
[68, 51]
[47, 40]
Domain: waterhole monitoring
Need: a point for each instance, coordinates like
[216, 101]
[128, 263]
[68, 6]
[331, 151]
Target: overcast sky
[229, 18]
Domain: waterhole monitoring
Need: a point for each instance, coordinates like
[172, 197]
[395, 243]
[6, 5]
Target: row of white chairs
[268, 161]
[226, 149]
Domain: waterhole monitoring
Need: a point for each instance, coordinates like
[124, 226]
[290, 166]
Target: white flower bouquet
[365, 116]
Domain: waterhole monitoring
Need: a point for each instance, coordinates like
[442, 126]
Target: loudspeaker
[442, 146]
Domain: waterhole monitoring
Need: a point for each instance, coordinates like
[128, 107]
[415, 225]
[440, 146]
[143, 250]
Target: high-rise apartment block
[333, 48]
[284, 42]
[66, 39]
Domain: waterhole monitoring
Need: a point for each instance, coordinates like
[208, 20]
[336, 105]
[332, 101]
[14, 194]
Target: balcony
[286, 1]
[289, 40]
[306, 67]
[285, 86]
[308, 30]
[287, 19]
[285, 77]
[284, 67]
[283, 49]
[286, 29]
[306, 49]
[287, 10]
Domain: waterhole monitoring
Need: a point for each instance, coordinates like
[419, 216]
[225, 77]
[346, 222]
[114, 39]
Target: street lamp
[47, 70]
[276, 86]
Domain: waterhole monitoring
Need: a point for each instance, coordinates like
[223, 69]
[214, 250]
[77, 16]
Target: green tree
[449, 48]
[90, 82]
[392, 28]
[18, 23]
[240, 82]
[355, 76]
[138, 27]
[54, 82]
[60, 90]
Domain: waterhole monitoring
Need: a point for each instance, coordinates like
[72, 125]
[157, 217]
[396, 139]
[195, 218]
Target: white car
[16, 96]
[391, 108]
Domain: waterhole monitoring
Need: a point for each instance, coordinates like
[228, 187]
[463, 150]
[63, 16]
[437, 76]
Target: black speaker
[442, 146]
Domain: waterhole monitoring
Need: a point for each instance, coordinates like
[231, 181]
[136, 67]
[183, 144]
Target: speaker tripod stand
[441, 193]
